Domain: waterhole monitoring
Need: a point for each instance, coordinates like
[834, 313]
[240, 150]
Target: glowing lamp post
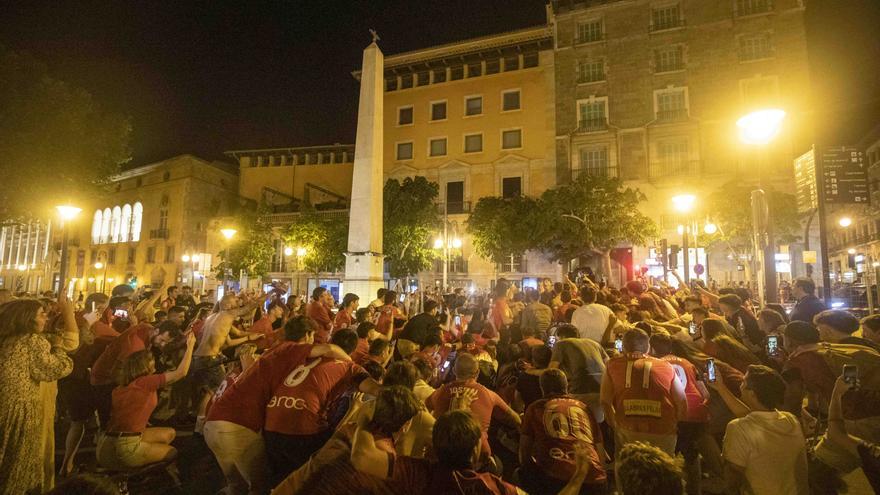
[67, 214]
[845, 222]
[228, 234]
[684, 204]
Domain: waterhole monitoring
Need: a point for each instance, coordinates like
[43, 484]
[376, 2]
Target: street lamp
[301, 251]
[288, 251]
[710, 228]
[67, 214]
[845, 222]
[684, 203]
[228, 233]
[759, 128]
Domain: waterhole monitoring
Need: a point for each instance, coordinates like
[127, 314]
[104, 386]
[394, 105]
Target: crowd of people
[568, 388]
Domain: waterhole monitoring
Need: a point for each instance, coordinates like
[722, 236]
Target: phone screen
[772, 345]
[551, 340]
[692, 328]
[401, 297]
[618, 344]
[457, 320]
[120, 313]
[710, 369]
[850, 374]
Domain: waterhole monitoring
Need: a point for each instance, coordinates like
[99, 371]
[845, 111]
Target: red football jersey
[642, 388]
[467, 395]
[698, 411]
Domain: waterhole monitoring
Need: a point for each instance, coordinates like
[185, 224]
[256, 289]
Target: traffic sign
[844, 177]
[699, 269]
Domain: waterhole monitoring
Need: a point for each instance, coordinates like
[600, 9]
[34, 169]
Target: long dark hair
[17, 318]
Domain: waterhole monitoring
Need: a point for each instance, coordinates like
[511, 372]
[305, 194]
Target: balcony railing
[160, 234]
[592, 125]
[674, 115]
[282, 219]
[753, 7]
[673, 168]
[607, 171]
[668, 24]
[455, 207]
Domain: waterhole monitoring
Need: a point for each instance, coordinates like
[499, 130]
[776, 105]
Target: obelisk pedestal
[364, 262]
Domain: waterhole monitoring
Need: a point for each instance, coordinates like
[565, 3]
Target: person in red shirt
[692, 427]
[501, 313]
[380, 352]
[233, 425]
[171, 300]
[528, 341]
[641, 395]
[245, 356]
[362, 351]
[296, 417]
[319, 311]
[466, 394]
[103, 372]
[552, 427]
[389, 314]
[127, 442]
[104, 326]
[348, 307]
[274, 312]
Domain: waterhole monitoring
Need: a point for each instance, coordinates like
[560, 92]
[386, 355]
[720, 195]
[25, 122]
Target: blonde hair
[138, 364]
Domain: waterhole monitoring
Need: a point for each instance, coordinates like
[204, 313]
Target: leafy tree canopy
[55, 139]
[410, 219]
[500, 227]
[252, 247]
[324, 238]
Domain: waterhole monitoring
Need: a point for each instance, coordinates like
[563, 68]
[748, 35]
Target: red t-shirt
[698, 411]
[299, 404]
[227, 382]
[499, 310]
[134, 403]
[387, 314]
[556, 424]
[642, 388]
[468, 395]
[342, 320]
[130, 341]
[321, 315]
[103, 329]
[361, 353]
[421, 476]
[244, 402]
[264, 326]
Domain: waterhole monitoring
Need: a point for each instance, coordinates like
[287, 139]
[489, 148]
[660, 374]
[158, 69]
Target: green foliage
[590, 216]
[252, 247]
[410, 220]
[729, 207]
[324, 237]
[55, 139]
[499, 226]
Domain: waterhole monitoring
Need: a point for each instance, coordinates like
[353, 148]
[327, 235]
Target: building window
[391, 83]
[493, 66]
[512, 139]
[590, 31]
[755, 47]
[590, 71]
[405, 151]
[151, 254]
[111, 256]
[163, 218]
[511, 187]
[93, 257]
[424, 78]
[511, 63]
[405, 115]
[666, 18]
[440, 75]
[125, 226]
[455, 197]
[668, 59]
[473, 143]
[592, 114]
[671, 104]
[473, 105]
[96, 227]
[169, 254]
[530, 59]
[115, 224]
[594, 161]
[438, 110]
[137, 219]
[456, 73]
[438, 147]
[510, 100]
[475, 69]
[515, 263]
[406, 81]
[751, 7]
[672, 159]
[132, 253]
[759, 91]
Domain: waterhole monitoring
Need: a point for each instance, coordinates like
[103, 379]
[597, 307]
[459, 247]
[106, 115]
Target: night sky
[205, 77]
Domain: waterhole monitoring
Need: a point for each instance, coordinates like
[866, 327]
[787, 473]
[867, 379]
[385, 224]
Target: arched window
[114, 224]
[136, 221]
[125, 228]
[105, 225]
[96, 228]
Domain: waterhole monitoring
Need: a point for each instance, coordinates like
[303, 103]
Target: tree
[500, 227]
[729, 208]
[324, 237]
[252, 247]
[410, 218]
[591, 216]
[54, 138]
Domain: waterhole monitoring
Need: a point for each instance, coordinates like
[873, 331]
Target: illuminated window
[105, 225]
[136, 222]
[115, 224]
[125, 228]
[96, 228]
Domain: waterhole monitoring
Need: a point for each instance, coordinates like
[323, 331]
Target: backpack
[868, 362]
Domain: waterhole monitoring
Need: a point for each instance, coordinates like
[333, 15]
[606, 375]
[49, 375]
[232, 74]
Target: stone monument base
[364, 275]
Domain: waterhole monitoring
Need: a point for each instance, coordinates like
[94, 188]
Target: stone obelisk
[364, 267]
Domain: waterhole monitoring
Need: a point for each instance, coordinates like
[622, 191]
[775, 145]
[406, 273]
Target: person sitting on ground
[643, 469]
[362, 351]
[264, 326]
[380, 352]
[417, 329]
[765, 451]
[838, 326]
[318, 310]
[128, 442]
[528, 388]
[537, 315]
[546, 445]
[346, 314]
[583, 361]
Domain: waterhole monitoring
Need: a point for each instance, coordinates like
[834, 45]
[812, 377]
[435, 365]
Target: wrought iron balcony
[675, 115]
[592, 125]
[160, 234]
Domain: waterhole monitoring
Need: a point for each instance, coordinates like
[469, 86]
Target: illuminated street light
[438, 243]
[68, 212]
[760, 127]
[851, 251]
[301, 251]
[91, 280]
[185, 258]
[228, 233]
[99, 265]
[110, 280]
[845, 222]
[684, 203]
[456, 243]
[22, 268]
[710, 228]
[195, 258]
[288, 251]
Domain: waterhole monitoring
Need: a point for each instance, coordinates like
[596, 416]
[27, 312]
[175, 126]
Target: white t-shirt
[591, 321]
[771, 447]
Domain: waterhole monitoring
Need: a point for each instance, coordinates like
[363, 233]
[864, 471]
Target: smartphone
[551, 341]
[851, 374]
[401, 297]
[710, 369]
[120, 313]
[772, 345]
[692, 328]
[457, 320]
[618, 343]
[445, 365]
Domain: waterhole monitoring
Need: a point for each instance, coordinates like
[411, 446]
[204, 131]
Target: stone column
[364, 267]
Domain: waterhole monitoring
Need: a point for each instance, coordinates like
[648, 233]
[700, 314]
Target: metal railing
[669, 24]
[752, 7]
[592, 125]
[675, 115]
[160, 234]
[454, 207]
[673, 168]
[280, 219]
